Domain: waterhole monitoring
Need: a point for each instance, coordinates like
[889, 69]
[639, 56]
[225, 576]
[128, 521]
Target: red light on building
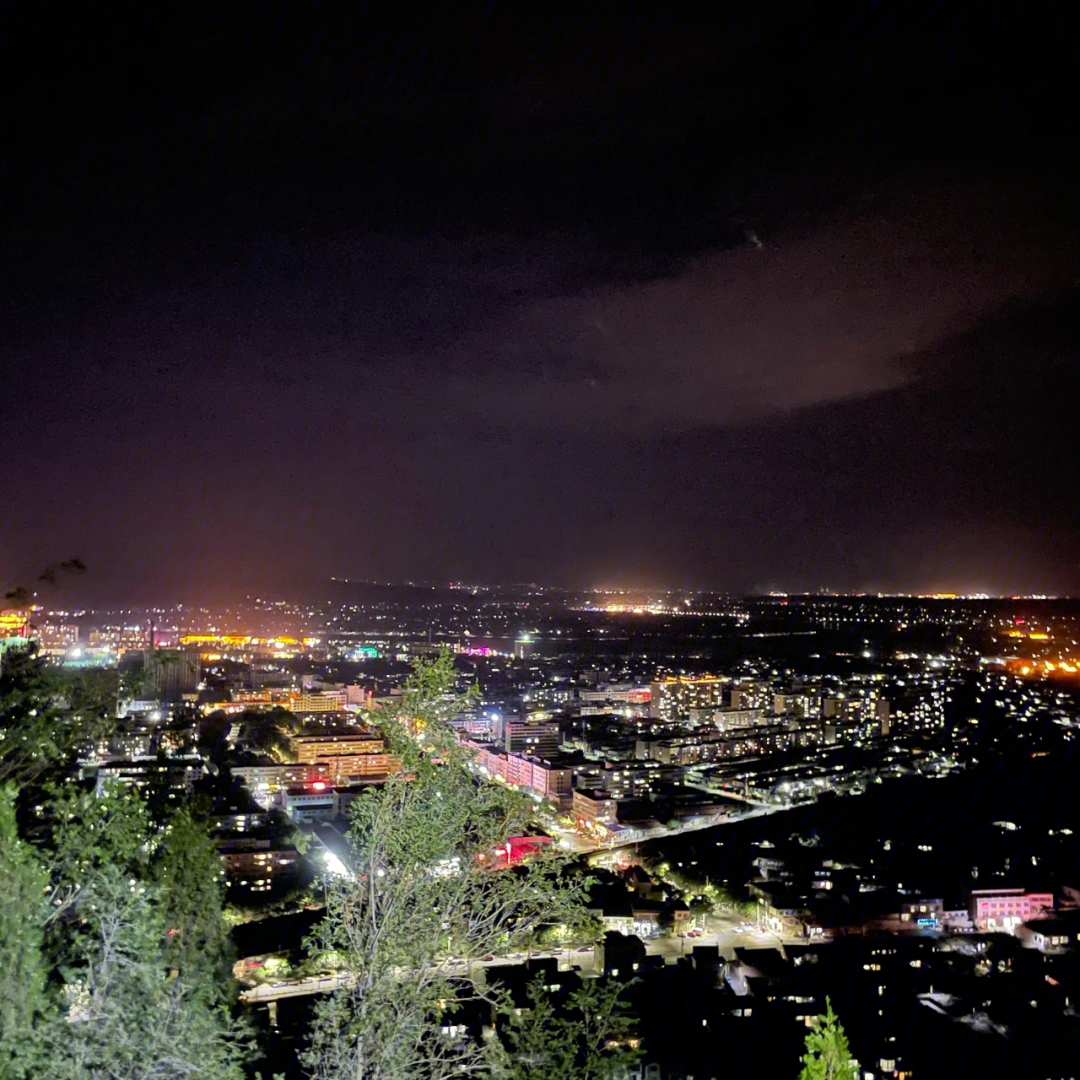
[318, 785]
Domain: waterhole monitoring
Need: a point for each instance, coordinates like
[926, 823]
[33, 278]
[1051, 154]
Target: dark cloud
[724, 299]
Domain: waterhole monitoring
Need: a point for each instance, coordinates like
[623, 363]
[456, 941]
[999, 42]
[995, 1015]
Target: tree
[23, 913]
[128, 1014]
[827, 1056]
[588, 1037]
[188, 873]
[92, 983]
[137, 1000]
[271, 731]
[422, 900]
[47, 716]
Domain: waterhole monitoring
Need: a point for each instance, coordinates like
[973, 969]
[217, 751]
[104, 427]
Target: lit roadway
[583, 845]
[728, 932]
[318, 984]
[720, 930]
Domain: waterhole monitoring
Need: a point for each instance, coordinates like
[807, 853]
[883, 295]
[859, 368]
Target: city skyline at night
[539, 540]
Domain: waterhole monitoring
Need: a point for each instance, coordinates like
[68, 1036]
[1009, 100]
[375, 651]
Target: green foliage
[584, 929]
[189, 877]
[828, 1056]
[89, 833]
[127, 1014]
[94, 985]
[420, 902]
[589, 1037]
[94, 906]
[23, 913]
[49, 716]
[298, 839]
[270, 732]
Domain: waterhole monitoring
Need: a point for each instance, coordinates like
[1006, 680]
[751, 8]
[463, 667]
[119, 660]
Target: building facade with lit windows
[346, 769]
[58, 637]
[318, 702]
[536, 737]
[306, 806]
[672, 699]
[595, 808]
[14, 630]
[253, 864]
[1006, 909]
[273, 775]
[337, 742]
[544, 778]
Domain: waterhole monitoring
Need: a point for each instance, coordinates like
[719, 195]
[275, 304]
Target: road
[720, 930]
[723, 931]
[584, 846]
[320, 984]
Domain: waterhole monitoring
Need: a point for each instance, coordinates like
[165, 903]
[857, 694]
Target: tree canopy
[828, 1056]
[113, 949]
[421, 901]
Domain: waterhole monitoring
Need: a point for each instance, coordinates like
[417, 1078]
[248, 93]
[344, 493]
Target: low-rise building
[923, 914]
[311, 746]
[1046, 935]
[306, 806]
[253, 863]
[594, 808]
[1006, 909]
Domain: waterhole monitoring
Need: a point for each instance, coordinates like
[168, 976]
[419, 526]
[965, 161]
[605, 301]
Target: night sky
[715, 296]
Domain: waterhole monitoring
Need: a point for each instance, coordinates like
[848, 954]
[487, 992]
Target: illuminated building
[322, 701]
[121, 638]
[711, 745]
[536, 737]
[546, 779]
[1005, 909]
[728, 719]
[606, 698]
[14, 629]
[177, 774]
[357, 695]
[747, 694]
[306, 805]
[272, 775]
[923, 913]
[594, 808]
[337, 742]
[346, 769]
[1046, 935]
[349, 755]
[672, 699]
[57, 637]
[252, 697]
[253, 864]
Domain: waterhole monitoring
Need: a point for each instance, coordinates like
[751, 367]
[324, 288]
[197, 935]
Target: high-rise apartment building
[672, 699]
